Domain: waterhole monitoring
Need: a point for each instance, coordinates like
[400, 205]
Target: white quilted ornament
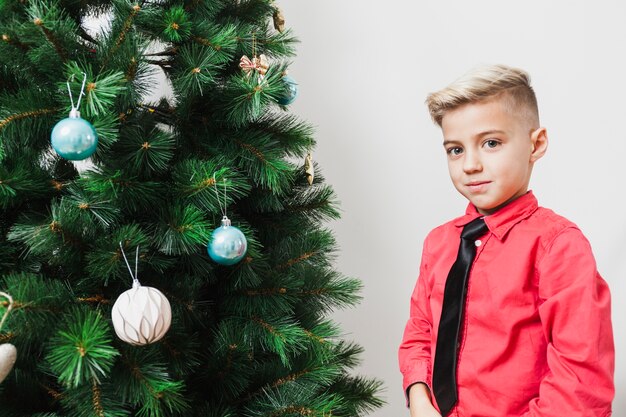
[8, 355]
[8, 352]
[141, 315]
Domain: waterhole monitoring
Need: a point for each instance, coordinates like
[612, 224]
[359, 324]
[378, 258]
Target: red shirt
[536, 337]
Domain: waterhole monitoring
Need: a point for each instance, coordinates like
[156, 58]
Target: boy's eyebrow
[478, 135]
[489, 132]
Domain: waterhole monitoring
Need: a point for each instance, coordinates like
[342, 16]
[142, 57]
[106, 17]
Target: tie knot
[473, 229]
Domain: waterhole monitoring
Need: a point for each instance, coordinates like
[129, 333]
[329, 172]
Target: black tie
[448, 339]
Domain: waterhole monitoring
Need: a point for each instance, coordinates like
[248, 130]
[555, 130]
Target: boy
[515, 320]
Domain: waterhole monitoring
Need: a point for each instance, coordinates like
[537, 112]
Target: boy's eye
[454, 151]
[492, 143]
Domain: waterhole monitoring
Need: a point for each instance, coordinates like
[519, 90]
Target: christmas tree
[128, 297]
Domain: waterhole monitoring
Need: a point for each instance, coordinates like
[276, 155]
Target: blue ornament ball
[74, 138]
[228, 244]
[290, 92]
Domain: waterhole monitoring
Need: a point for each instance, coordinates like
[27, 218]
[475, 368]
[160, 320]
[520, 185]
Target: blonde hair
[483, 83]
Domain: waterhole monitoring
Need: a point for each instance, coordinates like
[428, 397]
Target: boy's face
[490, 153]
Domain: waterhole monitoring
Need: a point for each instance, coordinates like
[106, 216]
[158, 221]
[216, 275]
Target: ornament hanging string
[82, 91]
[6, 313]
[222, 209]
[133, 276]
[259, 64]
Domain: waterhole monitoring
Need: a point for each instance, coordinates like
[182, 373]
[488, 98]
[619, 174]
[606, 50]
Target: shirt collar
[503, 220]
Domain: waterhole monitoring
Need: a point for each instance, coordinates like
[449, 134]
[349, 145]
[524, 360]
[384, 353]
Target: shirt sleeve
[414, 353]
[575, 313]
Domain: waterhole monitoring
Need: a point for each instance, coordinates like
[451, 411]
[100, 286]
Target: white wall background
[364, 68]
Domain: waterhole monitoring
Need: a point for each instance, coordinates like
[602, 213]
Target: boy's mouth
[476, 186]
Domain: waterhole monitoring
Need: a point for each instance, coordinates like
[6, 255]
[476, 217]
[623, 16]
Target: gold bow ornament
[257, 63]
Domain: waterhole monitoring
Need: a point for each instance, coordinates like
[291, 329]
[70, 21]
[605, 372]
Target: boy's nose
[471, 163]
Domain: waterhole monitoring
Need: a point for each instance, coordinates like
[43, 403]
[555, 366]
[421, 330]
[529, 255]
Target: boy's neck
[501, 206]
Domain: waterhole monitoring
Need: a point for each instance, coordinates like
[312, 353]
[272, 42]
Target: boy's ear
[539, 141]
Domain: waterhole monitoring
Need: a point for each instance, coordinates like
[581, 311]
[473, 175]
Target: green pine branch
[81, 351]
[251, 339]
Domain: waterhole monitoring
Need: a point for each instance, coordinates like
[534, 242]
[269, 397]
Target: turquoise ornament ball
[228, 244]
[291, 91]
[74, 138]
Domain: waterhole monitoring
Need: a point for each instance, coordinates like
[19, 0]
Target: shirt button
[478, 242]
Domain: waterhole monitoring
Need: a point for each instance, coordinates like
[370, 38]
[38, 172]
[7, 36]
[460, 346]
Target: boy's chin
[486, 202]
[484, 205]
